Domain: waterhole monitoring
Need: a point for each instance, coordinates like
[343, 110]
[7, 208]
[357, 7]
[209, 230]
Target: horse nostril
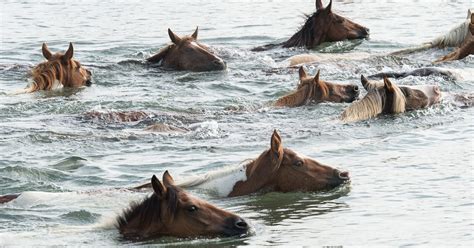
[241, 224]
[343, 175]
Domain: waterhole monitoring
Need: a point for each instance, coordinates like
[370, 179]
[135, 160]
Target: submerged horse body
[322, 26]
[186, 53]
[170, 211]
[58, 71]
[388, 98]
[313, 89]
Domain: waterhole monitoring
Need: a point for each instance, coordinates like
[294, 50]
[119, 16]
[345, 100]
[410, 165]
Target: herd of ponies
[170, 210]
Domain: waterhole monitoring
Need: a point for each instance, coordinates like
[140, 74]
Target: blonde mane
[372, 105]
[46, 73]
[454, 37]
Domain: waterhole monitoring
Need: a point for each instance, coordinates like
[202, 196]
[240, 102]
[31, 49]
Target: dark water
[412, 174]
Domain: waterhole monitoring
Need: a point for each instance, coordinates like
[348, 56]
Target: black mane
[148, 211]
[305, 36]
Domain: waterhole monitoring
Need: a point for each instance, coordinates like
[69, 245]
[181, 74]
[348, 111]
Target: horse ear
[364, 81]
[174, 38]
[69, 53]
[302, 72]
[158, 188]
[195, 34]
[167, 179]
[472, 16]
[388, 85]
[319, 5]
[328, 8]
[316, 78]
[275, 144]
[46, 52]
[469, 14]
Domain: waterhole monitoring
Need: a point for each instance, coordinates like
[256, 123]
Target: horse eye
[299, 163]
[192, 208]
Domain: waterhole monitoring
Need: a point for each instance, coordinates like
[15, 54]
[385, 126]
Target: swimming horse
[454, 38]
[322, 26]
[58, 71]
[314, 90]
[171, 211]
[388, 98]
[186, 53]
[276, 169]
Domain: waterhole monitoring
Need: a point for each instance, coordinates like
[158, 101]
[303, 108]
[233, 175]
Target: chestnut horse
[322, 26]
[186, 53]
[170, 211]
[465, 49]
[276, 169]
[60, 70]
[312, 89]
[388, 98]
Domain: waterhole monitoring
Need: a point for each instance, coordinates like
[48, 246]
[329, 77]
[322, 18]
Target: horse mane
[454, 37]
[305, 36]
[148, 211]
[46, 73]
[304, 94]
[162, 53]
[372, 105]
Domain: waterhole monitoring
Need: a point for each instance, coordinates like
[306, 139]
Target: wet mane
[454, 37]
[373, 104]
[148, 211]
[304, 37]
[162, 53]
[304, 94]
[46, 73]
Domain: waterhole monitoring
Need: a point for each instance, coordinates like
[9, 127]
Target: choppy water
[412, 174]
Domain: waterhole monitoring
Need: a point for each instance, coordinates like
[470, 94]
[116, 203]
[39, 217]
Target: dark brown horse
[388, 98]
[465, 49]
[60, 70]
[186, 53]
[323, 26]
[281, 169]
[313, 89]
[170, 211]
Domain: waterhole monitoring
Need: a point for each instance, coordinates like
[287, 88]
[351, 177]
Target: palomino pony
[322, 26]
[276, 169]
[186, 53]
[388, 98]
[58, 71]
[454, 38]
[312, 89]
[465, 49]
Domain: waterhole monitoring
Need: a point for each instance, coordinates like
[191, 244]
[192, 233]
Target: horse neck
[455, 37]
[48, 78]
[305, 36]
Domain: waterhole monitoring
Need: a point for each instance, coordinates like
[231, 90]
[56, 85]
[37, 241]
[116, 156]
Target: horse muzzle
[235, 227]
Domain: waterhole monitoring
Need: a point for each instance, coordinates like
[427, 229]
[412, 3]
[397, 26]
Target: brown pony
[60, 70]
[388, 98]
[170, 211]
[281, 169]
[186, 53]
[465, 49]
[323, 26]
[312, 89]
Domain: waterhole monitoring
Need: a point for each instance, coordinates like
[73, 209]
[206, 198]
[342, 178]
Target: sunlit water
[412, 174]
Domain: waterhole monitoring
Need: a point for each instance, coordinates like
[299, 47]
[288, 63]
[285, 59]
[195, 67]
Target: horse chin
[231, 232]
